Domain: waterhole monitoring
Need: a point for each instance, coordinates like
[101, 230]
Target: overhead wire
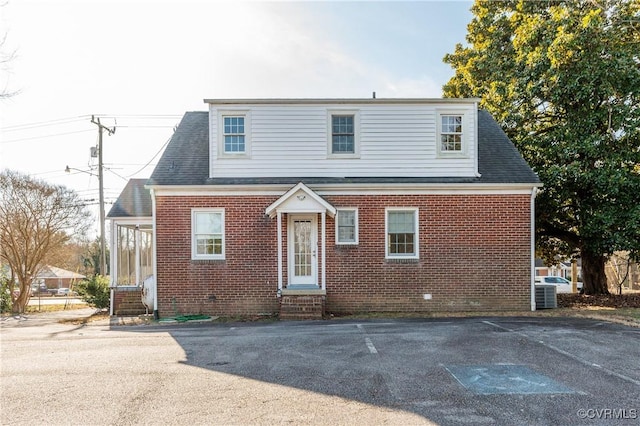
[37, 124]
[45, 136]
[152, 158]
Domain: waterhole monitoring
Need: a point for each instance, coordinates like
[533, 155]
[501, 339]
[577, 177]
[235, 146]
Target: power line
[152, 158]
[53, 122]
[44, 136]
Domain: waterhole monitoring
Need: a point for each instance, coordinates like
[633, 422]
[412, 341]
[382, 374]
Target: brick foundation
[302, 307]
[128, 302]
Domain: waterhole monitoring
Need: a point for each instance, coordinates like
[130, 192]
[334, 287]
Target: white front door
[302, 249]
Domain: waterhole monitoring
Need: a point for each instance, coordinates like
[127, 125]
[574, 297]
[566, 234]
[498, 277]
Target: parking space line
[568, 354]
[369, 343]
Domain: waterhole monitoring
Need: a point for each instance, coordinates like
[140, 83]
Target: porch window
[132, 270]
[126, 260]
[207, 228]
[402, 233]
[347, 226]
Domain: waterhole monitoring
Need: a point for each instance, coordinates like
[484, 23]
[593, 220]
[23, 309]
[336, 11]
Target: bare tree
[6, 56]
[36, 220]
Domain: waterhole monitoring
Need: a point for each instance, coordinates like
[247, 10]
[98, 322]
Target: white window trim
[466, 131]
[247, 133]
[356, 133]
[194, 254]
[356, 233]
[416, 245]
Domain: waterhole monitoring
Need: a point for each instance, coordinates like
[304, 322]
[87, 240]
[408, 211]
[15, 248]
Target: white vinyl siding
[392, 140]
[207, 234]
[347, 226]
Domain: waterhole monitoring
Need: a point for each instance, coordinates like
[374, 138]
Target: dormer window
[234, 134]
[234, 137]
[343, 134]
[452, 134]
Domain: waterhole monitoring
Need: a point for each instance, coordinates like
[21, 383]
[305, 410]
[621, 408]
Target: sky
[139, 65]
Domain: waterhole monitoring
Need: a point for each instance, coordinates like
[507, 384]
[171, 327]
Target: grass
[54, 308]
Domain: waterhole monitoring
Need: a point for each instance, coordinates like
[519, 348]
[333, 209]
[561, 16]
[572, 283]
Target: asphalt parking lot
[493, 370]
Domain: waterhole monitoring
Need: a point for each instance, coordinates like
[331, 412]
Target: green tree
[563, 80]
[36, 220]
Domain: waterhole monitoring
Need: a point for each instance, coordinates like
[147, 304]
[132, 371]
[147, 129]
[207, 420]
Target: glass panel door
[302, 250]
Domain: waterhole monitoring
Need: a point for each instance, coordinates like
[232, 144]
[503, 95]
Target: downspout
[156, 315]
[279, 242]
[534, 191]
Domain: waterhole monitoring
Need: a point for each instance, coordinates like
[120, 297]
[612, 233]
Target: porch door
[302, 249]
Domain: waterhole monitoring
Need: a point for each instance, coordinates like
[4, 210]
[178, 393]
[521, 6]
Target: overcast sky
[140, 64]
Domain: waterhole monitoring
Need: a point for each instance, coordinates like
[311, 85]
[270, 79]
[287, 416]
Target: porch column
[113, 272]
[136, 244]
[324, 251]
[279, 214]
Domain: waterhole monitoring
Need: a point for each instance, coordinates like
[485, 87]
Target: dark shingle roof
[186, 160]
[134, 201]
[498, 159]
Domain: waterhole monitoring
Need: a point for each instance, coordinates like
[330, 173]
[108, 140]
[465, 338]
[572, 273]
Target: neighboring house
[55, 278]
[301, 207]
[562, 269]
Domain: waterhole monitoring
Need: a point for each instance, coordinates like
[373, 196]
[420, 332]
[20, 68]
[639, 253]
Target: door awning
[300, 199]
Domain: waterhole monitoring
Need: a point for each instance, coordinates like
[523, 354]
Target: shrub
[5, 294]
[95, 291]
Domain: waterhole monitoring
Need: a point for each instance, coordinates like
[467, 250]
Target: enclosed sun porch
[131, 247]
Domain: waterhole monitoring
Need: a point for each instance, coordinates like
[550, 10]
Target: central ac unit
[546, 296]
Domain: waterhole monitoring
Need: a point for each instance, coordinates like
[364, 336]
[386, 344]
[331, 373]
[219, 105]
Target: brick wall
[474, 256]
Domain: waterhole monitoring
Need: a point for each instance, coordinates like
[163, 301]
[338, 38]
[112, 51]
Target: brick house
[301, 207]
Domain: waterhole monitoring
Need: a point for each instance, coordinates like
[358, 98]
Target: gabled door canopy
[300, 199]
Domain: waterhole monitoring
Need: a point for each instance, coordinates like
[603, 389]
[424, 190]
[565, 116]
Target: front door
[303, 244]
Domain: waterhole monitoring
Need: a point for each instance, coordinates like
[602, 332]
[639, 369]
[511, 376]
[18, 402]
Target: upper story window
[343, 131]
[342, 134]
[207, 234]
[451, 133]
[402, 233]
[234, 133]
[347, 226]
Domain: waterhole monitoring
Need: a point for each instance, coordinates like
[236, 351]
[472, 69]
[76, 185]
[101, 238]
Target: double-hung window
[343, 134]
[402, 233]
[347, 226]
[451, 134]
[207, 234]
[234, 137]
[234, 134]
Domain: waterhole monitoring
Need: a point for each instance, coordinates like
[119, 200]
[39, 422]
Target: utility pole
[103, 245]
